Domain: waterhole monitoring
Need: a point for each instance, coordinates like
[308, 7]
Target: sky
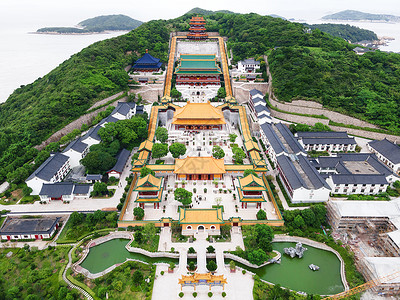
[71, 12]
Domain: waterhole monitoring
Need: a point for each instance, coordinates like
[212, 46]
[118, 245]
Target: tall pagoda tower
[197, 30]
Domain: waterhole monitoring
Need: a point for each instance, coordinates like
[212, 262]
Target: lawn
[149, 238]
[32, 274]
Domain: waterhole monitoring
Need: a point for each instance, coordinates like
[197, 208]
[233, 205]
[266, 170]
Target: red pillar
[154, 206]
[246, 205]
[158, 205]
[242, 204]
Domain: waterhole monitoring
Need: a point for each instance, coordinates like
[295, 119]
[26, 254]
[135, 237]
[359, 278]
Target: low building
[199, 168]
[355, 173]
[195, 221]
[147, 63]
[387, 152]
[54, 169]
[250, 190]
[76, 150]
[149, 189]
[124, 110]
[330, 141]
[92, 178]
[144, 152]
[92, 137]
[122, 159]
[109, 119]
[28, 229]
[64, 191]
[249, 65]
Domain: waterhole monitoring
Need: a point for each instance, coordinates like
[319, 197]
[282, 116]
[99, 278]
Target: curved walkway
[295, 239]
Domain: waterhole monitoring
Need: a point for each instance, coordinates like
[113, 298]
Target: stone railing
[151, 254]
[249, 264]
[322, 246]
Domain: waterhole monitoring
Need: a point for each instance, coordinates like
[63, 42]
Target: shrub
[181, 294]
[243, 272]
[194, 294]
[138, 212]
[162, 273]
[191, 250]
[210, 294]
[212, 266]
[210, 249]
[223, 294]
[261, 215]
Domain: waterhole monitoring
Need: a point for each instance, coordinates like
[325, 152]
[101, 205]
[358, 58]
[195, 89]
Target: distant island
[205, 12]
[96, 25]
[354, 15]
[350, 33]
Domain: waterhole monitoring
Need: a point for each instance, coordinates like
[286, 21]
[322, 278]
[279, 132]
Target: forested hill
[304, 65]
[205, 12]
[97, 24]
[354, 15]
[349, 33]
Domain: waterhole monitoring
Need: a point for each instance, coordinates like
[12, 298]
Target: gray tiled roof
[254, 92]
[93, 133]
[50, 167]
[322, 134]
[329, 141]
[94, 177]
[15, 226]
[123, 108]
[56, 190]
[122, 157]
[257, 100]
[289, 138]
[81, 188]
[273, 139]
[250, 61]
[358, 179]
[309, 170]
[109, 119]
[139, 109]
[387, 149]
[261, 108]
[76, 145]
[291, 174]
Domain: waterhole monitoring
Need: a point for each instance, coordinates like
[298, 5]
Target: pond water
[114, 252]
[295, 274]
[292, 273]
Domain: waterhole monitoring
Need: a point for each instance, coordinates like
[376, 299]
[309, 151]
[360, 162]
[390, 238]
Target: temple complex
[197, 30]
[199, 168]
[147, 63]
[198, 116]
[198, 70]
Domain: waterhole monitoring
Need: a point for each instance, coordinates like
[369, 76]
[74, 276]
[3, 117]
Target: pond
[114, 252]
[295, 274]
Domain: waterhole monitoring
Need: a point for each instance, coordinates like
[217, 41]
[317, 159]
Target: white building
[249, 65]
[124, 110]
[76, 150]
[92, 137]
[54, 169]
[64, 191]
[331, 141]
[387, 152]
[28, 229]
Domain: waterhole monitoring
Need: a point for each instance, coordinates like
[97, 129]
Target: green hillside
[354, 15]
[97, 24]
[305, 65]
[205, 12]
[350, 33]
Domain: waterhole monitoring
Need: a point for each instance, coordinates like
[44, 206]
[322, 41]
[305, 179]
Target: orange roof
[201, 216]
[198, 113]
[199, 165]
[146, 145]
[251, 183]
[148, 183]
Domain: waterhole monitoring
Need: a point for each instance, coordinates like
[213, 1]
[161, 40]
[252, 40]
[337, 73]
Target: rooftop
[200, 216]
[76, 145]
[28, 226]
[123, 108]
[122, 158]
[255, 92]
[50, 167]
[93, 133]
[350, 208]
[199, 165]
[251, 183]
[57, 190]
[322, 134]
[273, 139]
[147, 60]
[383, 267]
[250, 61]
[198, 114]
[148, 183]
[388, 149]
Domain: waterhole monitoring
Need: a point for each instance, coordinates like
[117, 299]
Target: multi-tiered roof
[197, 30]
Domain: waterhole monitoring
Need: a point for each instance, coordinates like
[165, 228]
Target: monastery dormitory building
[58, 165]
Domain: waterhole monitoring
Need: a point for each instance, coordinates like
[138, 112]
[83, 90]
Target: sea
[25, 56]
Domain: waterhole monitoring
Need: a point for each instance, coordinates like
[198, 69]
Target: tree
[238, 155]
[248, 172]
[264, 237]
[232, 137]
[191, 250]
[396, 184]
[211, 266]
[144, 171]
[137, 277]
[26, 190]
[257, 256]
[309, 217]
[19, 175]
[98, 162]
[41, 157]
[177, 149]
[161, 134]
[261, 215]
[298, 222]
[221, 92]
[139, 237]
[138, 212]
[159, 150]
[218, 152]
[210, 249]
[175, 93]
[183, 196]
[100, 188]
[192, 266]
[76, 218]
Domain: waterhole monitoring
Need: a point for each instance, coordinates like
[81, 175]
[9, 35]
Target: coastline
[78, 33]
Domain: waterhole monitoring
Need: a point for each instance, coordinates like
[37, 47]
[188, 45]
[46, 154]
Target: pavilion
[201, 220]
[199, 168]
[197, 30]
[202, 279]
[144, 153]
[149, 190]
[147, 63]
[198, 116]
[251, 190]
[198, 70]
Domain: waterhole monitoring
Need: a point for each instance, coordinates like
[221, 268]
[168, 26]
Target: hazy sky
[65, 13]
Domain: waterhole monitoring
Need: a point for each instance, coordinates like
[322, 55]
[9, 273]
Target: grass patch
[149, 238]
[314, 153]
[159, 162]
[332, 123]
[296, 114]
[29, 199]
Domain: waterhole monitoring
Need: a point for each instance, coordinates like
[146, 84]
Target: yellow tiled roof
[198, 113]
[201, 216]
[152, 180]
[249, 199]
[146, 145]
[199, 165]
[250, 144]
[249, 179]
